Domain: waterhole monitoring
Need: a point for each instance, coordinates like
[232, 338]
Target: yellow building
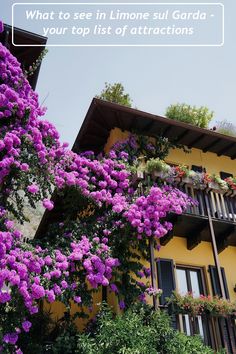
[199, 255]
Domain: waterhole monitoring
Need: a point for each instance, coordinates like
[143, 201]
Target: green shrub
[157, 165]
[200, 117]
[115, 93]
[138, 331]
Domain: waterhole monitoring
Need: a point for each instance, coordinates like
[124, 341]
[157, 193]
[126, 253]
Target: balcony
[216, 331]
[194, 225]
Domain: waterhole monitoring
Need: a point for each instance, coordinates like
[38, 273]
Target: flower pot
[156, 174]
[140, 175]
[187, 180]
[215, 187]
[137, 177]
[159, 174]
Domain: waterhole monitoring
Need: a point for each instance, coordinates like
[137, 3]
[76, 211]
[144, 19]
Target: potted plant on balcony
[182, 173]
[197, 179]
[157, 168]
[172, 176]
[216, 184]
[202, 305]
[137, 169]
[185, 304]
[216, 306]
[231, 181]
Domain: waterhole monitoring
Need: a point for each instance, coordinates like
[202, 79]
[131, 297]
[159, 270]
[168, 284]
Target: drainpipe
[214, 248]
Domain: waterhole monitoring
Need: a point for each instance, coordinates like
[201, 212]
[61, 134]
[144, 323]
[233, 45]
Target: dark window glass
[190, 280]
[224, 175]
[197, 168]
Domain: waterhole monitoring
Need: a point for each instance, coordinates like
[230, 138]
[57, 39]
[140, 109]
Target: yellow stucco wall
[228, 261]
[57, 309]
[209, 160]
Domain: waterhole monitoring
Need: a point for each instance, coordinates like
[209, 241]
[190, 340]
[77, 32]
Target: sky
[155, 77]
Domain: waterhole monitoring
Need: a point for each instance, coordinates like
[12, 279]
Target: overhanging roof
[103, 116]
[25, 55]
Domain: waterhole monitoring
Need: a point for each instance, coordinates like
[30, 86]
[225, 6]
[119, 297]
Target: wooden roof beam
[101, 114]
[118, 119]
[227, 147]
[148, 126]
[173, 218]
[94, 147]
[183, 134]
[199, 138]
[92, 137]
[223, 239]
[26, 52]
[195, 238]
[211, 145]
[101, 128]
[166, 239]
[133, 124]
[167, 130]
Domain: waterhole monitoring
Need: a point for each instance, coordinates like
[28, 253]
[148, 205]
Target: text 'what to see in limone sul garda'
[117, 15]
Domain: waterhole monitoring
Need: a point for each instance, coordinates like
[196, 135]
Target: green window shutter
[215, 281]
[166, 278]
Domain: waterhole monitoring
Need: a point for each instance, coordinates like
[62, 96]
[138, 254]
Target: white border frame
[121, 45]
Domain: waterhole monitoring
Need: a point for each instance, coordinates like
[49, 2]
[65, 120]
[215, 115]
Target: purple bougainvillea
[33, 162]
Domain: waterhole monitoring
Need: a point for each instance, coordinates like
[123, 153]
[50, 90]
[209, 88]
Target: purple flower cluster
[147, 213]
[17, 102]
[105, 181]
[98, 266]
[27, 270]
[26, 325]
[36, 275]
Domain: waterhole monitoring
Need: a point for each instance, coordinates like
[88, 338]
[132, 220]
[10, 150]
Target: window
[191, 280]
[198, 168]
[224, 175]
[184, 279]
